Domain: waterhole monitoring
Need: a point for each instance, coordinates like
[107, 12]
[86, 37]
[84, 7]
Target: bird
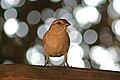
[56, 40]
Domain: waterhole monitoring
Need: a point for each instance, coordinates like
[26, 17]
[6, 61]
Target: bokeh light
[41, 31]
[48, 22]
[105, 36]
[55, 1]
[10, 13]
[70, 3]
[93, 2]
[34, 57]
[47, 13]
[112, 53]
[90, 36]
[75, 55]
[11, 29]
[21, 3]
[117, 28]
[99, 54]
[8, 62]
[84, 18]
[111, 12]
[33, 17]
[5, 5]
[75, 37]
[116, 6]
[12, 2]
[22, 30]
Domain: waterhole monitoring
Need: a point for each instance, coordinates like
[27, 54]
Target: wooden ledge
[26, 72]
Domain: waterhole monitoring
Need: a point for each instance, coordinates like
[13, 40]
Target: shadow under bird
[56, 40]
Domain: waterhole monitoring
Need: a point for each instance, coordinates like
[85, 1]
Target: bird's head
[61, 23]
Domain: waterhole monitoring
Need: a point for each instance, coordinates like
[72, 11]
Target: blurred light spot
[21, 3]
[41, 31]
[70, 29]
[70, 3]
[75, 37]
[117, 59]
[117, 27]
[22, 30]
[28, 55]
[113, 26]
[72, 44]
[47, 13]
[55, 1]
[5, 5]
[38, 48]
[73, 26]
[35, 58]
[12, 2]
[77, 26]
[112, 53]
[68, 8]
[102, 57]
[10, 13]
[72, 22]
[111, 12]
[84, 18]
[67, 16]
[74, 57]
[11, 26]
[92, 2]
[48, 22]
[60, 12]
[90, 36]
[33, 17]
[105, 36]
[57, 60]
[116, 6]
[99, 19]
[8, 62]
[99, 54]
[110, 66]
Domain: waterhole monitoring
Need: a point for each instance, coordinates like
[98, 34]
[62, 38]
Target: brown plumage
[56, 40]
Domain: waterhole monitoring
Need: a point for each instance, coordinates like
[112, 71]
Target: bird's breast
[56, 45]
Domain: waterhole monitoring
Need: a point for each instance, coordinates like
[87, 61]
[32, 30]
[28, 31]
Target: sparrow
[56, 40]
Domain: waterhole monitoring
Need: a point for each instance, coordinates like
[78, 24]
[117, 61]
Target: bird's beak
[68, 24]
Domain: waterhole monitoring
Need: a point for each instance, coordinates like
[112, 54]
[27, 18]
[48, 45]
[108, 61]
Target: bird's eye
[59, 23]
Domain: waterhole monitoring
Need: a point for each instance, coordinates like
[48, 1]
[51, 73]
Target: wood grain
[25, 72]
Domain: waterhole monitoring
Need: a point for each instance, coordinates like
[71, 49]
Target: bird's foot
[46, 64]
[66, 64]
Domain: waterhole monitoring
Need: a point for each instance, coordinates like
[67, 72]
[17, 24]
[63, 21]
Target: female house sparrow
[56, 40]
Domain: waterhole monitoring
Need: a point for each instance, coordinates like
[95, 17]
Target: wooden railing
[26, 72]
